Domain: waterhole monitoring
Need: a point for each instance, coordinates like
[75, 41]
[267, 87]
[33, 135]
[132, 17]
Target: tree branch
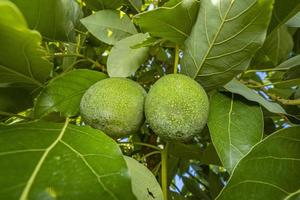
[273, 96]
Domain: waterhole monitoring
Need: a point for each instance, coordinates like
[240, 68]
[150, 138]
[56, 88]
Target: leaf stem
[265, 70]
[141, 144]
[176, 58]
[150, 154]
[277, 98]
[68, 55]
[14, 115]
[164, 171]
[147, 145]
[80, 56]
[156, 169]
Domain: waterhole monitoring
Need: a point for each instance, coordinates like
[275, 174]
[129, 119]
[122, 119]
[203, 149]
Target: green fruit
[176, 107]
[114, 105]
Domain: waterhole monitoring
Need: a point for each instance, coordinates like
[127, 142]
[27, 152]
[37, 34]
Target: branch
[274, 96]
[14, 115]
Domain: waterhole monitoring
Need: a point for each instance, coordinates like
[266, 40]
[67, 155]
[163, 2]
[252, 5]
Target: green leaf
[136, 4]
[124, 60]
[237, 87]
[193, 187]
[294, 21]
[210, 156]
[109, 26]
[54, 19]
[282, 12]
[68, 61]
[148, 42]
[14, 100]
[284, 93]
[215, 184]
[297, 41]
[103, 4]
[173, 21]
[185, 151]
[277, 47]
[194, 152]
[224, 38]
[56, 161]
[269, 171]
[288, 83]
[294, 196]
[291, 66]
[63, 94]
[21, 56]
[292, 62]
[234, 126]
[297, 94]
[144, 183]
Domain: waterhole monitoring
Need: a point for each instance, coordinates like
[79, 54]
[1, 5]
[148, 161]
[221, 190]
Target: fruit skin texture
[114, 105]
[176, 107]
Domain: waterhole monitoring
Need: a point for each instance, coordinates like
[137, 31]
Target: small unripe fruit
[176, 107]
[114, 105]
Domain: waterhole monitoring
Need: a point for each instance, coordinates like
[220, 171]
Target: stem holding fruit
[176, 58]
[164, 171]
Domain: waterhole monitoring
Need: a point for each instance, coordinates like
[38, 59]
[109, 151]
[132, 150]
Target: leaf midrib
[90, 168]
[36, 82]
[229, 128]
[214, 39]
[27, 188]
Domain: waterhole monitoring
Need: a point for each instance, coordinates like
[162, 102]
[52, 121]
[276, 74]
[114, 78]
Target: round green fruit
[114, 105]
[176, 107]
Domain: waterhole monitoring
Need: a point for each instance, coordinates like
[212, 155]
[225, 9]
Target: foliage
[245, 54]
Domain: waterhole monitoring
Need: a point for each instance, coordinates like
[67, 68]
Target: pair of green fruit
[176, 107]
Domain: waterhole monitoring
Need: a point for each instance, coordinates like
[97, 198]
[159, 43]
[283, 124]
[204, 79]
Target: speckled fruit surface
[114, 105]
[176, 107]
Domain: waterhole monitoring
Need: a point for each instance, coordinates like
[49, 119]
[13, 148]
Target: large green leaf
[144, 183]
[64, 93]
[237, 87]
[173, 21]
[109, 26]
[103, 4]
[56, 161]
[21, 56]
[277, 47]
[235, 127]
[54, 19]
[269, 171]
[282, 12]
[124, 60]
[226, 35]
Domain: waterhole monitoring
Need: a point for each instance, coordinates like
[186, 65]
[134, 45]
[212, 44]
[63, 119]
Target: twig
[142, 144]
[164, 171]
[14, 115]
[265, 70]
[176, 58]
[273, 96]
